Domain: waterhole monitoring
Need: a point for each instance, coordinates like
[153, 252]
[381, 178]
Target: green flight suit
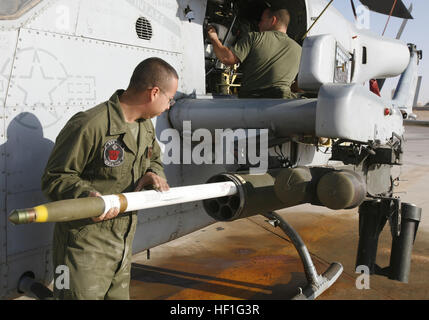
[96, 151]
[269, 63]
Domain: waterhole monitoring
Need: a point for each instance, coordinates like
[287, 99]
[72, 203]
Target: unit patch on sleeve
[113, 153]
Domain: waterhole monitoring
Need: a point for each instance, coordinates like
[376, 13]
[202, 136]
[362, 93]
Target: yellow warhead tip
[41, 213]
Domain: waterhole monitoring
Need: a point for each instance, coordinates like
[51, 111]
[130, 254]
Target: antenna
[390, 14]
[354, 9]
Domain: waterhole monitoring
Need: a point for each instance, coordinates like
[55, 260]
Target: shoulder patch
[113, 153]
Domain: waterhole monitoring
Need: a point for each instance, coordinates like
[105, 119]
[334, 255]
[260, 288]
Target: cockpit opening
[233, 19]
[13, 9]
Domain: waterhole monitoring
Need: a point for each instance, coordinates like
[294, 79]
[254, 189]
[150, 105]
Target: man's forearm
[223, 53]
[155, 161]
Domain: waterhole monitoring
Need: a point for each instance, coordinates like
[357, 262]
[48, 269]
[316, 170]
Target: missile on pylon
[81, 208]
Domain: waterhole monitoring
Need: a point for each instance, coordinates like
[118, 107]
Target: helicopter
[60, 57]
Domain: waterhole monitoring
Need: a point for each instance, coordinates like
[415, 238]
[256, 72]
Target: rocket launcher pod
[255, 195]
[284, 188]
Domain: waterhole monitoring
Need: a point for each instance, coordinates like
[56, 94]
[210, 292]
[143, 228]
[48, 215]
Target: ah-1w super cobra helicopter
[337, 143]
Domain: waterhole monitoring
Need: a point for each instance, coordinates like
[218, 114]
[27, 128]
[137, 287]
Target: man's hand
[112, 213]
[153, 179]
[224, 54]
[212, 34]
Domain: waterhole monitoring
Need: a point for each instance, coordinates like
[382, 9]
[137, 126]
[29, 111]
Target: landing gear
[317, 284]
[404, 219]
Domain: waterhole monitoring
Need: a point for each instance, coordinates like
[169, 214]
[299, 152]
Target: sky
[415, 32]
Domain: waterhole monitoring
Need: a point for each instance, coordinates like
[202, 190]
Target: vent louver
[144, 28]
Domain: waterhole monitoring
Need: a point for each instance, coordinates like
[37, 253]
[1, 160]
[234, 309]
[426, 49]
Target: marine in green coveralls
[269, 58]
[108, 149]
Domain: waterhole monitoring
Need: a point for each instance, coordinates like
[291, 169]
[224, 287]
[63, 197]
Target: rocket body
[75, 209]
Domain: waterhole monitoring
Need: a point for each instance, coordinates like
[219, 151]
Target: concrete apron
[249, 259]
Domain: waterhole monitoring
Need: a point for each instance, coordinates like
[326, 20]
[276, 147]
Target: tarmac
[249, 259]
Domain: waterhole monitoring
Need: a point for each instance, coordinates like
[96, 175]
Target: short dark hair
[152, 72]
[282, 15]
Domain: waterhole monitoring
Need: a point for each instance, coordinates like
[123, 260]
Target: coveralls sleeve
[243, 46]
[155, 160]
[74, 148]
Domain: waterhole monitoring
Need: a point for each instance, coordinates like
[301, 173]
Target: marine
[269, 59]
[108, 149]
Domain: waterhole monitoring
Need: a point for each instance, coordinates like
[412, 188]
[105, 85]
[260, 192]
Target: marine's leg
[120, 286]
[91, 266]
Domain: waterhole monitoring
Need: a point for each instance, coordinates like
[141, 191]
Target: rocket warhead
[21, 216]
[58, 211]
